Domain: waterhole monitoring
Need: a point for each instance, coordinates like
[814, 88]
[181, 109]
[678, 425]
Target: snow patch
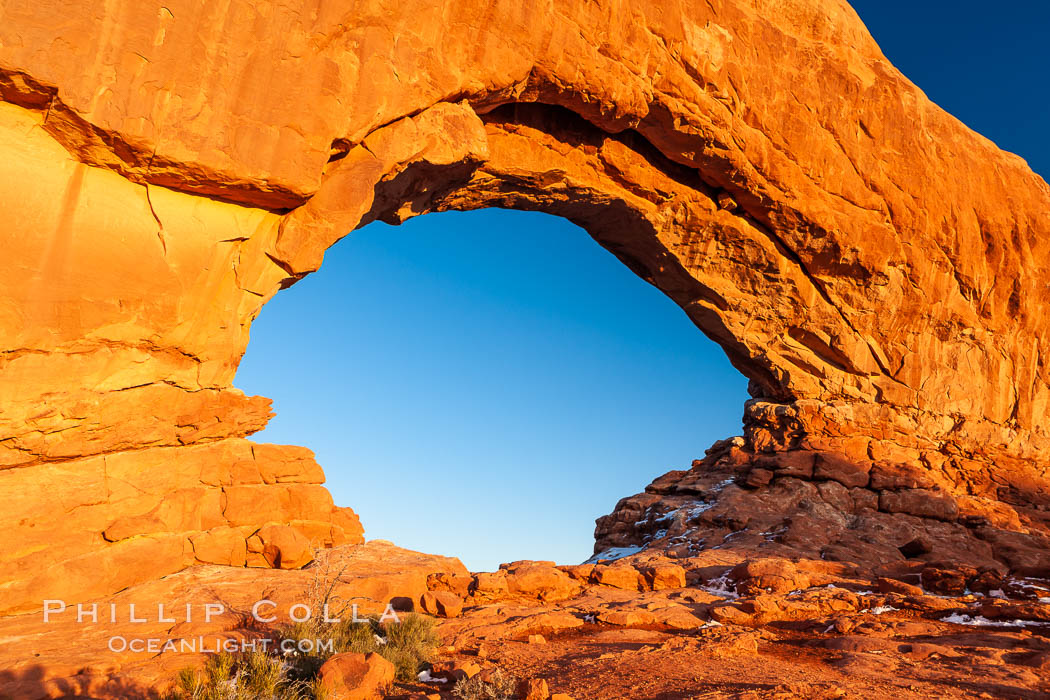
[981, 621]
[425, 677]
[721, 587]
[698, 509]
[721, 485]
[614, 553]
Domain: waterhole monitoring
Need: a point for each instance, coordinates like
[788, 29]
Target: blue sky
[486, 384]
[986, 64]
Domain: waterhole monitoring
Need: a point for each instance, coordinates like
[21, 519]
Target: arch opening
[485, 384]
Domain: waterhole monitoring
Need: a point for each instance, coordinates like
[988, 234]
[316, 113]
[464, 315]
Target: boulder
[889, 585]
[850, 473]
[579, 572]
[621, 576]
[533, 689]
[767, 575]
[441, 603]
[540, 580]
[455, 583]
[351, 676]
[487, 585]
[664, 576]
[946, 581]
[627, 617]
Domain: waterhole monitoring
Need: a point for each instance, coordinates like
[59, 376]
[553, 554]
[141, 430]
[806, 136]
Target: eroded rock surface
[81, 651]
[725, 624]
[874, 267]
[859, 501]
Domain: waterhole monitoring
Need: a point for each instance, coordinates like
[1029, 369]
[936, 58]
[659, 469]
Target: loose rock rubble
[802, 503]
[743, 628]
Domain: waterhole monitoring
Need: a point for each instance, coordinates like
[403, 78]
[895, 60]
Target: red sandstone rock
[758, 477]
[677, 617]
[922, 502]
[540, 580]
[533, 689]
[352, 676]
[61, 656]
[280, 547]
[627, 618]
[580, 572]
[618, 576]
[441, 581]
[221, 545]
[661, 577]
[887, 585]
[489, 585]
[755, 165]
[774, 575]
[443, 603]
[686, 513]
[784, 209]
[847, 472]
[797, 464]
[945, 581]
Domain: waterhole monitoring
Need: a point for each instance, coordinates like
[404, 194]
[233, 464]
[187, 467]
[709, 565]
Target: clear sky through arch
[486, 384]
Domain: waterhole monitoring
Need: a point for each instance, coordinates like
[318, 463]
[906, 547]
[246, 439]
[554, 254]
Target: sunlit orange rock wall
[874, 267]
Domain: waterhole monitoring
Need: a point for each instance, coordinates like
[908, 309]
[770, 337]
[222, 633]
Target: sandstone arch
[874, 267]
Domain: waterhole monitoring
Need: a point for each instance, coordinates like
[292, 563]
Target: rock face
[869, 508]
[875, 268]
[87, 527]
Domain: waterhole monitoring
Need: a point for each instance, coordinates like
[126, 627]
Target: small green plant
[409, 644]
[289, 669]
[499, 686]
[253, 676]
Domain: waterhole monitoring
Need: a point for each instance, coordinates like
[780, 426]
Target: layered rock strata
[782, 492]
[125, 517]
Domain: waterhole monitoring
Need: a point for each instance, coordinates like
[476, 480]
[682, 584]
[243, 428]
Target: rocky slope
[869, 508]
[726, 625]
[716, 624]
[118, 646]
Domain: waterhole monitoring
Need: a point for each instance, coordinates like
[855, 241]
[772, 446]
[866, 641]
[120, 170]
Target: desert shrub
[252, 676]
[408, 644]
[499, 686]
